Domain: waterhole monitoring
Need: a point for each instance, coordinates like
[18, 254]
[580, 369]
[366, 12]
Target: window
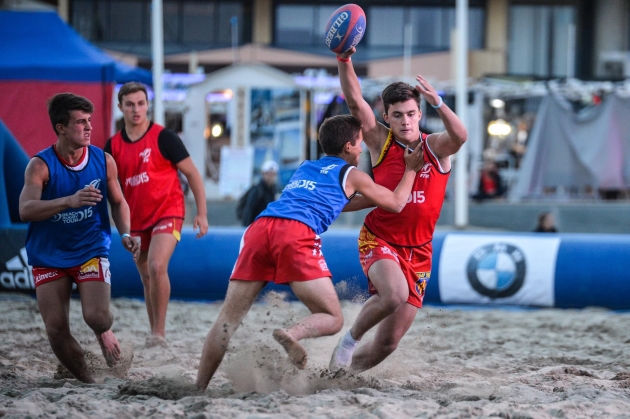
[303, 25]
[540, 40]
[185, 21]
[198, 21]
[430, 27]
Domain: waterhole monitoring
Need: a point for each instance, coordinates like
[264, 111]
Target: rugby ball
[345, 28]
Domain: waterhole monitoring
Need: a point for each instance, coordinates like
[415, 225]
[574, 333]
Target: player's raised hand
[201, 222]
[414, 159]
[347, 54]
[86, 196]
[429, 93]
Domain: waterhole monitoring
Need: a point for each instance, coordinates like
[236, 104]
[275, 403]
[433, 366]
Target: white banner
[235, 173]
[498, 269]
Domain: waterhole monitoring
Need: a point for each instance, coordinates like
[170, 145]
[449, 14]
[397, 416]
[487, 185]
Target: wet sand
[455, 362]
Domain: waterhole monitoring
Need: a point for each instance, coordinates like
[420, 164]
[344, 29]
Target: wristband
[122, 236]
[343, 60]
[440, 103]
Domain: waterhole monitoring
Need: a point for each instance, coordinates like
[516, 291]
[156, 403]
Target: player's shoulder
[167, 134]
[37, 161]
[37, 168]
[376, 138]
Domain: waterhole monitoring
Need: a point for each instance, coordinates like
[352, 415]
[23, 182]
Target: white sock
[348, 341]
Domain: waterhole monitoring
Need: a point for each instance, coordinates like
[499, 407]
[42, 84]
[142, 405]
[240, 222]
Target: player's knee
[394, 300]
[337, 322]
[57, 330]
[99, 321]
[157, 267]
[388, 345]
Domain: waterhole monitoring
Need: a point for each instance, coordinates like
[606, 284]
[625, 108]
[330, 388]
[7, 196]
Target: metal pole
[571, 51]
[461, 106]
[157, 51]
[235, 55]
[407, 51]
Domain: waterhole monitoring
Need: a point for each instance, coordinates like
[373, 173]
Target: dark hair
[399, 92]
[338, 130]
[542, 216]
[131, 87]
[60, 105]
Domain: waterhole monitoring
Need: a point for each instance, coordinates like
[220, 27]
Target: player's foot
[110, 347]
[297, 354]
[155, 340]
[342, 355]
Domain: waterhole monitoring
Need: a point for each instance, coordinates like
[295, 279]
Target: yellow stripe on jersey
[388, 143]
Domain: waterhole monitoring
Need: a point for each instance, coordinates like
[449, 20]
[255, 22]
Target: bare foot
[121, 369]
[110, 347]
[297, 354]
[155, 340]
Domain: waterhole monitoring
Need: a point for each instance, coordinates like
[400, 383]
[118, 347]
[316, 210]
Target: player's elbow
[461, 136]
[396, 208]
[25, 215]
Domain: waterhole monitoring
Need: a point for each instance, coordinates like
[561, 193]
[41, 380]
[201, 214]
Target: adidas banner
[15, 274]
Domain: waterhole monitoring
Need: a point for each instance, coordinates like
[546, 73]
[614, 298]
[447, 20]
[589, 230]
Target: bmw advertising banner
[498, 269]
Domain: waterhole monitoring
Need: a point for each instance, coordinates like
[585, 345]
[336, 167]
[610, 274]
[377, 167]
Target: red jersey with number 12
[415, 224]
[149, 181]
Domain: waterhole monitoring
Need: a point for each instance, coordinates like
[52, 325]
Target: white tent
[240, 79]
[575, 153]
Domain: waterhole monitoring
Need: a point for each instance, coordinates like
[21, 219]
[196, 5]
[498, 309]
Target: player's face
[355, 150]
[404, 118]
[79, 129]
[134, 107]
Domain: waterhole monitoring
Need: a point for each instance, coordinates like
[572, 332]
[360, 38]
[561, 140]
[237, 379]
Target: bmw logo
[497, 270]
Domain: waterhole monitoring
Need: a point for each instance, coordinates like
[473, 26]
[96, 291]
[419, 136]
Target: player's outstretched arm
[120, 209]
[449, 142]
[381, 196]
[33, 208]
[373, 132]
[357, 203]
[187, 167]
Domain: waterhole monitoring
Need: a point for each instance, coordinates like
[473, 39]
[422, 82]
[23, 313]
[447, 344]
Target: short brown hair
[399, 92]
[338, 130]
[131, 87]
[60, 105]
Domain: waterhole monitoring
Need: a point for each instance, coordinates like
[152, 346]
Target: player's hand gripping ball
[345, 28]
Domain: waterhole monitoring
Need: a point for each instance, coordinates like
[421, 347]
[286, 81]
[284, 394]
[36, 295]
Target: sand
[455, 362]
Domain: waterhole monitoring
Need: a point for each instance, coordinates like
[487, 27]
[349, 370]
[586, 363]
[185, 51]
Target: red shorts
[415, 263]
[166, 226]
[95, 269]
[281, 251]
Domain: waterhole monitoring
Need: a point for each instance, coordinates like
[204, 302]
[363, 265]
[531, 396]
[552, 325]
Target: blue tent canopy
[40, 46]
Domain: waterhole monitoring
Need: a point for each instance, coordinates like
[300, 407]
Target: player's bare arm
[187, 167]
[120, 208]
[33, 208]
[449, 142]
[374, 133]
[381, 196]
[357, 203]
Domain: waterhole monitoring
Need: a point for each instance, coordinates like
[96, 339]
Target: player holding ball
[395, 250]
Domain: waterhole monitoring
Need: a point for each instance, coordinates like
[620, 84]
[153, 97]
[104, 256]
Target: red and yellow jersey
[149, 180]
[415, 224]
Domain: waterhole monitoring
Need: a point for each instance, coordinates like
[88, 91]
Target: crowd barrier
[523, 269]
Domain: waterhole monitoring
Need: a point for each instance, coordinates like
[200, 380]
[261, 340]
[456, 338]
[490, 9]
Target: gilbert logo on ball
[345, 28]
